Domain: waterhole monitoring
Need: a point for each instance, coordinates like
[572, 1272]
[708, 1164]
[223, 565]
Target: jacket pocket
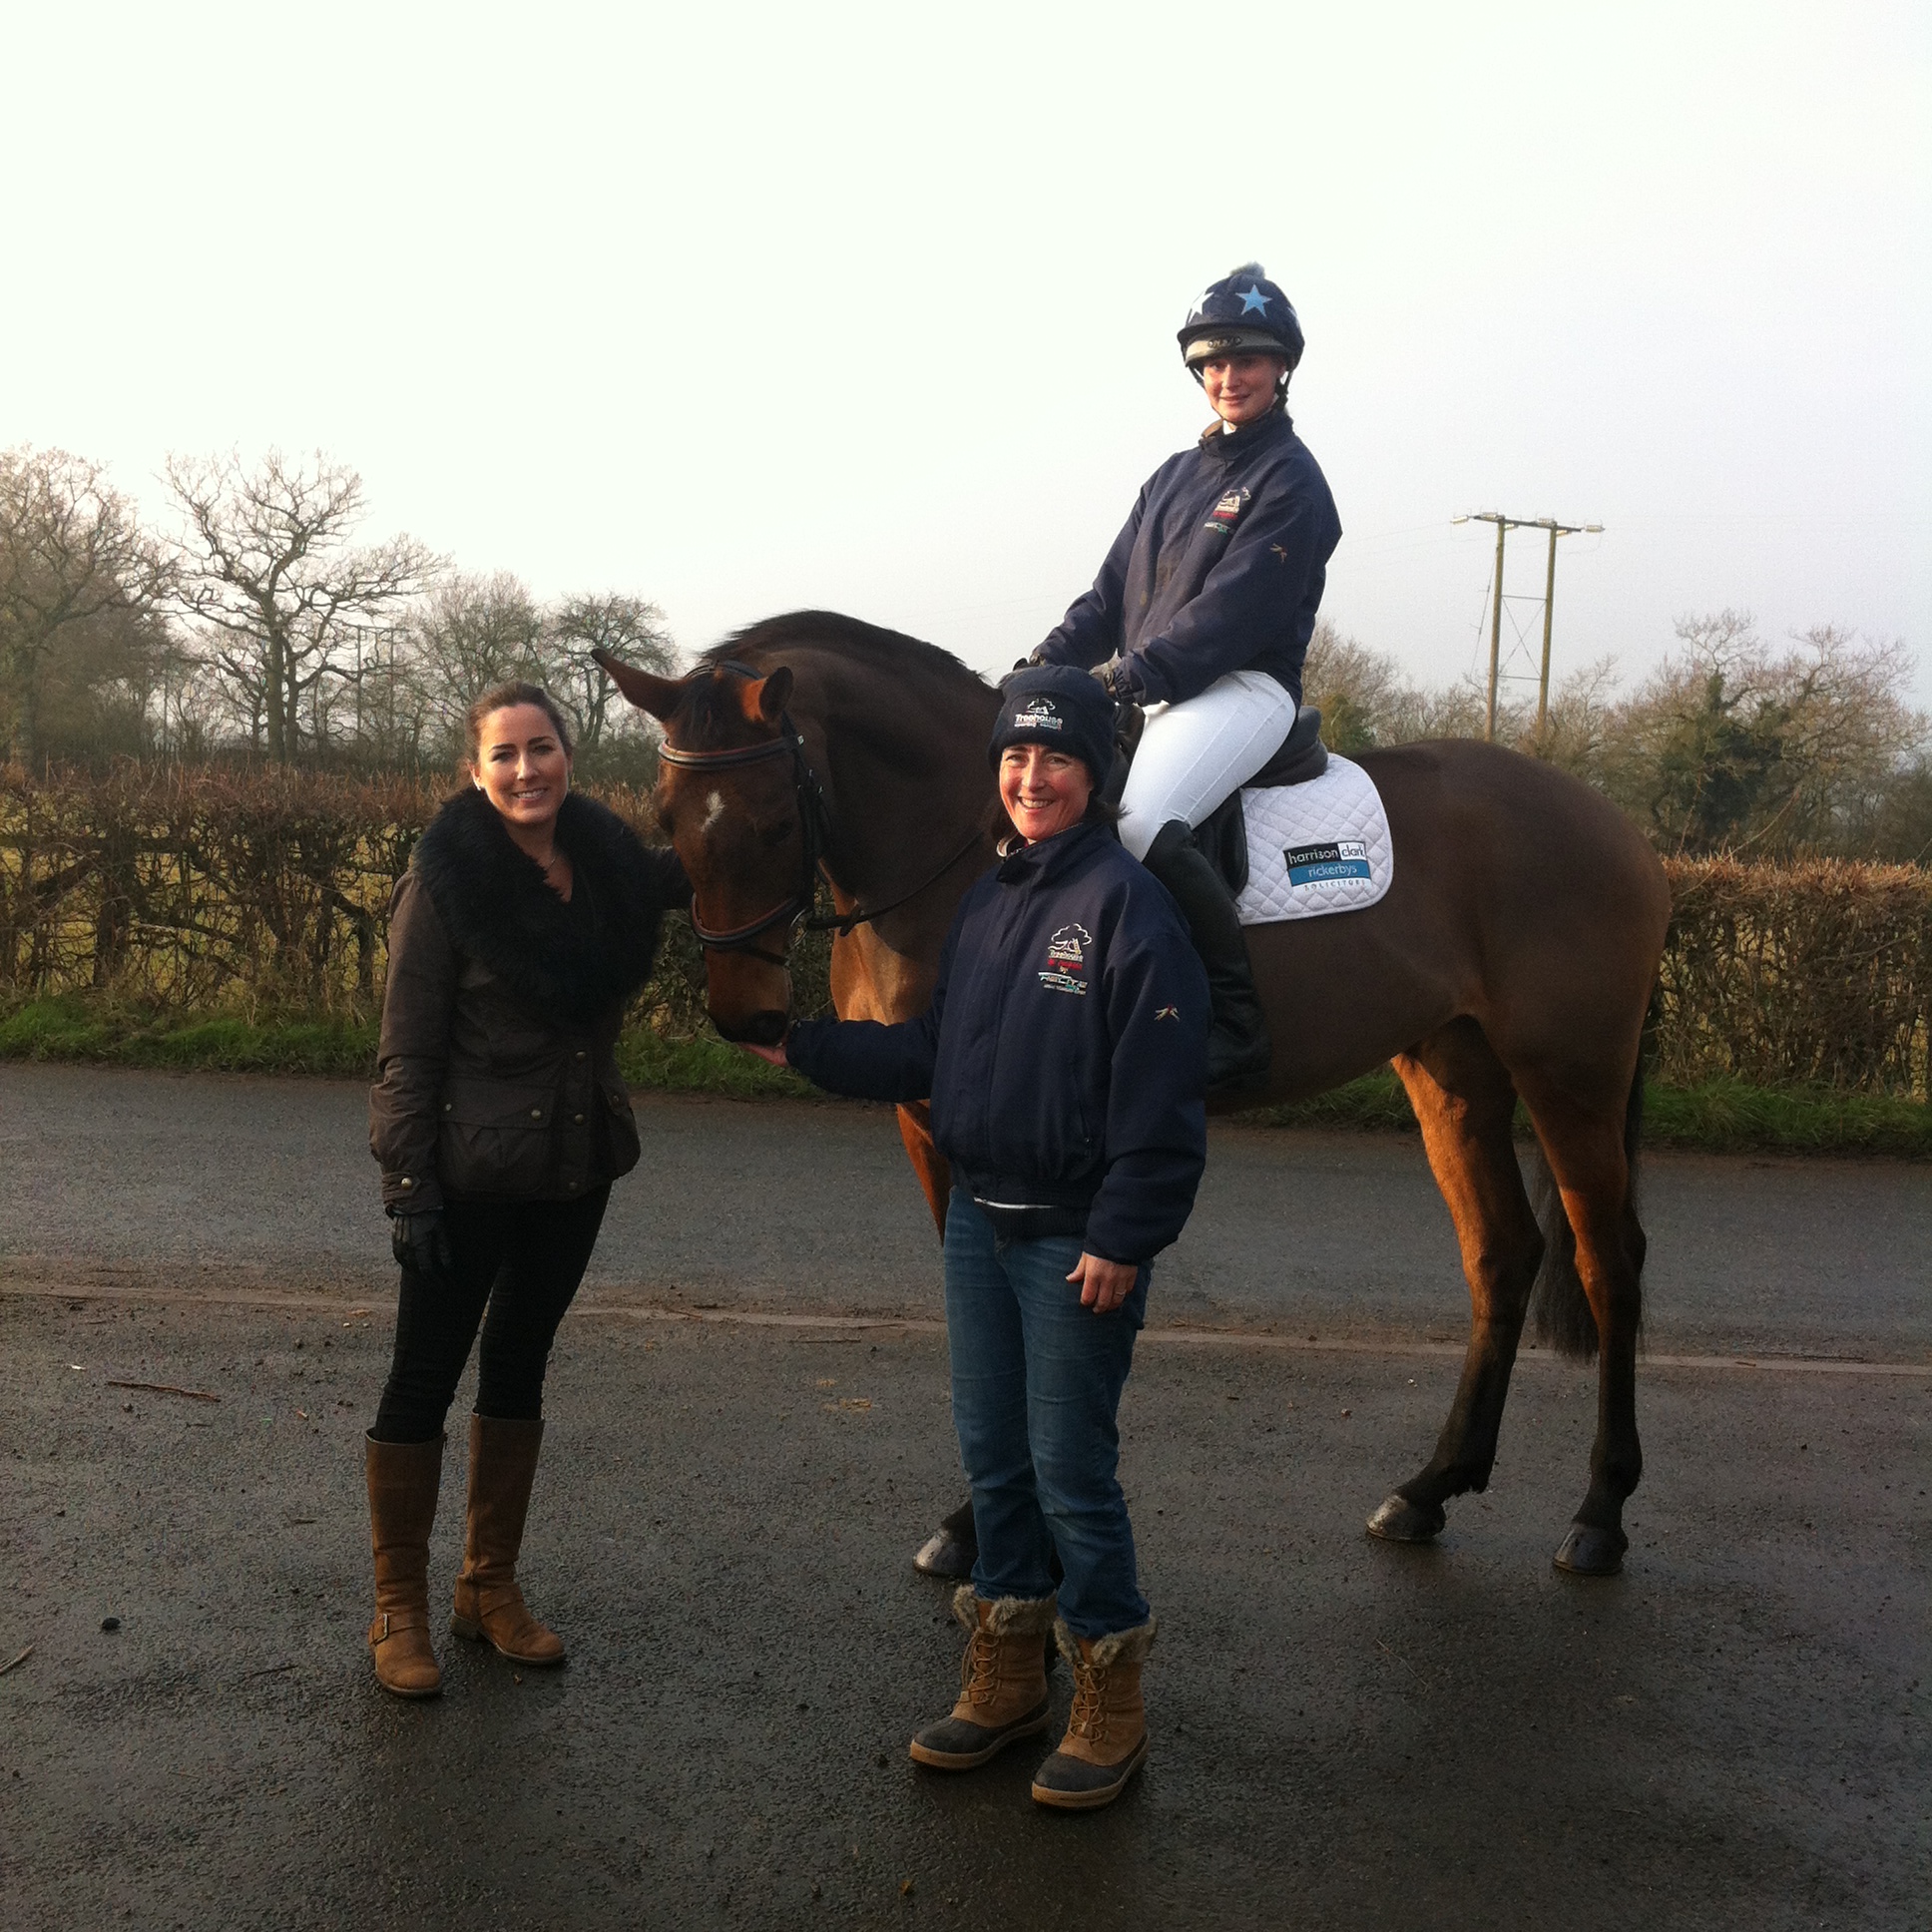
[1058, 1146]
[496, 1137]
[625, 1148]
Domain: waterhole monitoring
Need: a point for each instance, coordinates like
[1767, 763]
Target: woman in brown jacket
[527, 920]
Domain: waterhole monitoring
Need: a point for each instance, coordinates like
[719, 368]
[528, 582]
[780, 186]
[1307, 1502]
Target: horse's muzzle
[761, 1029]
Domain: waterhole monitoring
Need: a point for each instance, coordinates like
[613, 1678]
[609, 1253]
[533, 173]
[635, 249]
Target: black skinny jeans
[524, 1259]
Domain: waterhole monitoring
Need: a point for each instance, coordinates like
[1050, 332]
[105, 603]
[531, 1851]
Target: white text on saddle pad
[1317, 847]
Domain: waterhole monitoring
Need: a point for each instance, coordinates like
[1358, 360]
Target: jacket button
[579, 1054]
[449, 1107]
[577, 1117]
[571, 1186]
[536, 1113]
[405, 1184]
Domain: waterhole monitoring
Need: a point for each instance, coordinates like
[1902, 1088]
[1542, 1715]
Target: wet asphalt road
[212, 1182]
[1732, 1733]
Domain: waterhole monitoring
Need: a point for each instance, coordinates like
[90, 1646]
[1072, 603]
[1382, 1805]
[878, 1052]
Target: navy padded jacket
[1064, 1050]
[1221, 567]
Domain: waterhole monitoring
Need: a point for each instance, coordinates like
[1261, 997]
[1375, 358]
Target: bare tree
[1366, 699]
[79, 583]
[270, 575]
[473, 632]
[1733, 743]
[629, 628]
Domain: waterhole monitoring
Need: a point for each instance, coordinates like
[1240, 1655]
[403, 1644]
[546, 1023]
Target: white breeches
[1195, 753]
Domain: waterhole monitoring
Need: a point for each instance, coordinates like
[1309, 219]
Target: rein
[815, 818]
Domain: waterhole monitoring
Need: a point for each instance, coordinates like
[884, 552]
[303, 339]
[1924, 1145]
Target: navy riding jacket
[1063, 1052]
[1221, 567]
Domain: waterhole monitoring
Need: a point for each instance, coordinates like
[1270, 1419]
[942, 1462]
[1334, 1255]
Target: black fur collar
[497, 909]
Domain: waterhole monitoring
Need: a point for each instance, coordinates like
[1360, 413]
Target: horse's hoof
[1402, 1521]
[1590, 1552]
[943, 1555]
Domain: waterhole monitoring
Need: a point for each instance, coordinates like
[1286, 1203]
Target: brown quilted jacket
[497, 1071]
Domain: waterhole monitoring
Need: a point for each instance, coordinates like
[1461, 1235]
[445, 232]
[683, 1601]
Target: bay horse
[1513, 957]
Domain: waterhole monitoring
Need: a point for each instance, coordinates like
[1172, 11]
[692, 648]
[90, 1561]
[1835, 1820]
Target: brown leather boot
[1107, 1736]
[403, 1479]
[1001, 1682]
[503, 1465]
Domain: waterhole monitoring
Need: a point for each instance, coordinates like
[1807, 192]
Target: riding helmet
[1244, 314]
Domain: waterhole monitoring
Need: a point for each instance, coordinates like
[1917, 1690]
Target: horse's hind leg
[1465, 1102]
[1591, 1145]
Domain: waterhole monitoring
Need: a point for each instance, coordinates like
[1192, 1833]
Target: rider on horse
[1202, 610]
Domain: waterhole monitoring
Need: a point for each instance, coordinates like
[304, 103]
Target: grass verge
[1718, 1117]
[132, 1036]
[338, 1047]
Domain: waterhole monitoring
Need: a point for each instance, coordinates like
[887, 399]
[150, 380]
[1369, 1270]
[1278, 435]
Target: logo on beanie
[1037, 714]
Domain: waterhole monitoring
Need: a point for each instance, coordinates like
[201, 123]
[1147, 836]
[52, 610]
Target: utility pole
[1503, 525]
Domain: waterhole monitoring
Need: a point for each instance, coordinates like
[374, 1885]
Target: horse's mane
[931, 678]
[846, 638]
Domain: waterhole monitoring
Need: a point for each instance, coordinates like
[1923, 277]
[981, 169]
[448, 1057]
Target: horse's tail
[1559, 1308]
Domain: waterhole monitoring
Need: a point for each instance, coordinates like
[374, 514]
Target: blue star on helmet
[1252, 299]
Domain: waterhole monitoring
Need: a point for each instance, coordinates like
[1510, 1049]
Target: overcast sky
[752, 307]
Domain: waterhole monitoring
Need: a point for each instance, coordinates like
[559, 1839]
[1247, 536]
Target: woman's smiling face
[522, 766]
[1241, 388]
[1044, 790]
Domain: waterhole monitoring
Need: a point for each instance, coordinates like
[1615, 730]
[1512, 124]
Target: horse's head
[727, 795]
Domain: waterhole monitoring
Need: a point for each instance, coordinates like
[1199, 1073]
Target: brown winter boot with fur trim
[404, 1478]
[1001, 1682]
[489, 1605]
[1107, 1736]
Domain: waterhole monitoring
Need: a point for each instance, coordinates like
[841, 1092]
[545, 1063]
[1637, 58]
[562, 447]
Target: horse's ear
[765, 702]
[658, 696]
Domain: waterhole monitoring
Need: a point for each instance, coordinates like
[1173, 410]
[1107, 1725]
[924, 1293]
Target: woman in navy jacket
[1064, 1055]
[1202, 611]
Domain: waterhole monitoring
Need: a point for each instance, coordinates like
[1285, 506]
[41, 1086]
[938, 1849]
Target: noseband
[815, 828]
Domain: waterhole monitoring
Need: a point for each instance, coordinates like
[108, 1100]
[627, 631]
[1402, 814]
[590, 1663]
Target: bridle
[815, 836]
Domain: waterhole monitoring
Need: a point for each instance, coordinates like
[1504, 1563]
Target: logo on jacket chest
[1228, 512]
[1066, 970]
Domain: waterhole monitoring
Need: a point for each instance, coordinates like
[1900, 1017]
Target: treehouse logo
[1224, 515]
[1066, 961]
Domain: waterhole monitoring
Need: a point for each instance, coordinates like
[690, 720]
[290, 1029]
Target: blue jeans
[1037, 1382]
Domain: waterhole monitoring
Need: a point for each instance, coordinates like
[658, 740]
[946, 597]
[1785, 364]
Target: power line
[1503, 525]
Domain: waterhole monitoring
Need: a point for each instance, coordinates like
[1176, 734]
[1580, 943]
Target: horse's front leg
[951, 1549]
[1465, 1103]
[934, 1170]
[871, 982]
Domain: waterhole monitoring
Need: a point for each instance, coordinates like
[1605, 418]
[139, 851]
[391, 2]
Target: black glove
[420, 1242]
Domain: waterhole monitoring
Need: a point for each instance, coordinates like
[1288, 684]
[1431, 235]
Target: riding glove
[420, 1242]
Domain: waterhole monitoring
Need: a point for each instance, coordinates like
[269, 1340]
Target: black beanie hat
[1061, 706]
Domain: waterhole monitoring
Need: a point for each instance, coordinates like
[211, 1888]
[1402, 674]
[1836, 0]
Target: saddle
[1222, 837]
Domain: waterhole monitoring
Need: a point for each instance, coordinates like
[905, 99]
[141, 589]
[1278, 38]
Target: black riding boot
[1238, 1050]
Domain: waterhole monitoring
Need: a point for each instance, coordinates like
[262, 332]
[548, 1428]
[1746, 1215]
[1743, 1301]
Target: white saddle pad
[1317, 847]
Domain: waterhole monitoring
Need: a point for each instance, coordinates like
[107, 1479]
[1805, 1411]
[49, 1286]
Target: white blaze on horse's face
[714, 810]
